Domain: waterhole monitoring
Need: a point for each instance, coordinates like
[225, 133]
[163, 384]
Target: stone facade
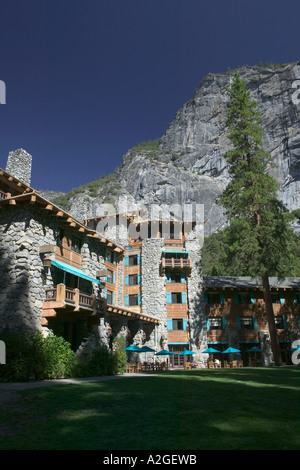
[197, 319]
[153, 289]
[22, 231]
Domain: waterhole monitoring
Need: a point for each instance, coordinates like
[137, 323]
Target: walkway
[46, 383]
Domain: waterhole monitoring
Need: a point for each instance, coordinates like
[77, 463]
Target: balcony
[178, 263]
[63, 299]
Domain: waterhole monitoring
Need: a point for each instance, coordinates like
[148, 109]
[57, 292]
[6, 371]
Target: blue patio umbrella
[230, 350]
[295, 349]
[186, 353]
[254, 349]
[133, 348]
[164, 352]
[146, 349]
[210, 351]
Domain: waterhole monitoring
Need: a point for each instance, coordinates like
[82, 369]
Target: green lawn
[183, 410]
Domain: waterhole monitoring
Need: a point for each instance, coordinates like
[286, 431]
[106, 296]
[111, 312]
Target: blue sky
[88, 79]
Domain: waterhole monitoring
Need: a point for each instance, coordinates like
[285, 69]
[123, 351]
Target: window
[133, 279]
[133, 260]
[109, 297]
[213, 297]
[176, 298]
[133, 299]
[215, 323]
[178, 324]
[109, 276]
[247, 323]
[296, 297]
[109, 256]
[76, 245]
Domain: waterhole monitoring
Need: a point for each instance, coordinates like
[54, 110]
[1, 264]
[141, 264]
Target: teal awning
[75, 271]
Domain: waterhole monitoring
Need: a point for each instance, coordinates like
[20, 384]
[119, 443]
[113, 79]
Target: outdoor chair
[129, 367]
[226, 365]
[188, 365]
[211, 365]
[139, 367]
[240, 363]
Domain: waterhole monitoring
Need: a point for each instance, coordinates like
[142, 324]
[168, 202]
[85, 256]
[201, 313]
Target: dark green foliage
[58, 358]
[219, 257]
[103, 361]
[259, 235]
[30, 355]
[119, 343]
[147, 145]
[101, 187]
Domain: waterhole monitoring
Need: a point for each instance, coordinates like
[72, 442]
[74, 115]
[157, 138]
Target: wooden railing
[3, 195]
[51, 294]
[85, 300]
[176, 243]
[177, 262]
[61, 294]
[70, 296]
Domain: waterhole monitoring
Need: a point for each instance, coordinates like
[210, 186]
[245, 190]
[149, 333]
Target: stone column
[19, 165]
[153, 289]
[196, 307]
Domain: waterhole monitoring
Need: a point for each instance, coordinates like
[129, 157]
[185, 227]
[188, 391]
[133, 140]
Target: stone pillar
[19, 165]
[153, 289]
[196, 307]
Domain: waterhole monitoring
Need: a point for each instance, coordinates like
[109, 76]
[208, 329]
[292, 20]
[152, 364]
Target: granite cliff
[186, 164]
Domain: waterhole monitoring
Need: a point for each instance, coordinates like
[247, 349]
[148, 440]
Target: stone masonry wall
[153, 290]
[19, 165]
[22, 231]
[197, 320]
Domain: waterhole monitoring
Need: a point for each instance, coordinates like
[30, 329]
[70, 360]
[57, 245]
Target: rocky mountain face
[187, 166]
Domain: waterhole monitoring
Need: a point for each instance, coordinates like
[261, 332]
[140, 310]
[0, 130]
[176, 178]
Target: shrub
[23, 350]
[57, 358]
[120, 357]
[102, 362]
[30, 355]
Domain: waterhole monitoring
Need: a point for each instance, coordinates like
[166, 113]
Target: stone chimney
[19, 165]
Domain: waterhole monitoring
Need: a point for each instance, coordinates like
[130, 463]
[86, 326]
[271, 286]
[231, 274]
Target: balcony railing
[86, 300]
[62, 296]
[176, 263]
[3, 195]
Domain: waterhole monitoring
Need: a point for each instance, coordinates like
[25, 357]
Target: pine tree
[258, 233]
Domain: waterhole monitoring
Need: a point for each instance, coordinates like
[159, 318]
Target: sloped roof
[24, 193]
[248, 282]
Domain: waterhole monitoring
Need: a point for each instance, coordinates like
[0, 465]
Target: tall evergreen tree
[258, 233]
